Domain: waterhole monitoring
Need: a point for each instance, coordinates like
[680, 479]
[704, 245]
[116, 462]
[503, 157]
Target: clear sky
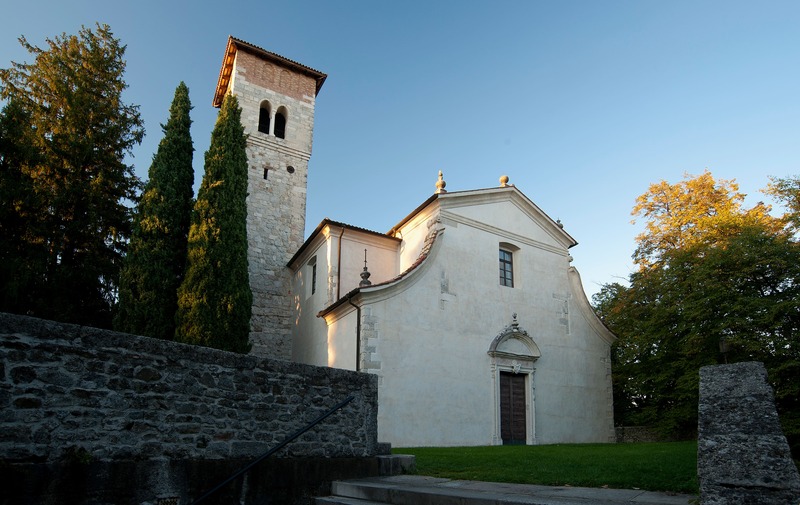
[582, 104]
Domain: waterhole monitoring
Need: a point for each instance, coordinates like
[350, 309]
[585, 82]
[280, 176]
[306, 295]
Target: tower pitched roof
[235, 45]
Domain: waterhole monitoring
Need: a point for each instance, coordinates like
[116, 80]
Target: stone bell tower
[277, 97]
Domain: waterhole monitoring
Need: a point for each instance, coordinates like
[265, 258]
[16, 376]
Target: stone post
[742, 454]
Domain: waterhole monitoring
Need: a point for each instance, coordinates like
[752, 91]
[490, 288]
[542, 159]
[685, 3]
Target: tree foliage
[214, 301]
[727, 290]
[154, 266]
[786, 190]
[22, 256]
[697, 209]
[66, 132]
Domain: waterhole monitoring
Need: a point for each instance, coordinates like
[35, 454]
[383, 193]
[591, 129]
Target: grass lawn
[654, 466]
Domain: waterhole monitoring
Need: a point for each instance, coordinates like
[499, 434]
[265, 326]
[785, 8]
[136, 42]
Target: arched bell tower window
[264, 117]
[280, 123]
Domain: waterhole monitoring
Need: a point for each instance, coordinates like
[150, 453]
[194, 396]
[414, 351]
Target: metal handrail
[274, 449]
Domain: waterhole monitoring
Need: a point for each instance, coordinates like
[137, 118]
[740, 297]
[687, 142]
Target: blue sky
[582, 104]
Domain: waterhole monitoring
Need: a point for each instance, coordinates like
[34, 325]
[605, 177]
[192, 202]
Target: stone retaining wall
[636, 434]
[285, 481]
[742, 454]
[71, 393]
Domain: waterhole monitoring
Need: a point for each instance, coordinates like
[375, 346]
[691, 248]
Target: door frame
[515, 367]
[514, 351]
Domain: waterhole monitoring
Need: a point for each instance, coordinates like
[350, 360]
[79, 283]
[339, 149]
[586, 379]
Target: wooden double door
[513, 412]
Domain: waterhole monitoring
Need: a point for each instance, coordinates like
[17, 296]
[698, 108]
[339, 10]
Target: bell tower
[277, 97]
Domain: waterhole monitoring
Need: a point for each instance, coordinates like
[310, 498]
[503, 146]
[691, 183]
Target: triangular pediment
[508, 211]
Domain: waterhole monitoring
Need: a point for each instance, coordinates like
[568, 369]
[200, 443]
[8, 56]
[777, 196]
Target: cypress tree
[215, 301]
[154, 266]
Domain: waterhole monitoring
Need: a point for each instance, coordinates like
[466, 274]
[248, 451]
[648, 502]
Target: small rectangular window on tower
[266, 173]
[506, 268]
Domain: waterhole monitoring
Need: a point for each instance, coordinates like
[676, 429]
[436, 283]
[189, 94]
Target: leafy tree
[154, 266]
[215, 301]
[77, 186]
[697, 209]
[735, 300]
[787, 191]
[617, 307]
[728, 292]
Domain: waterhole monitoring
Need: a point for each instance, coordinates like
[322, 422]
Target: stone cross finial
[365, 273]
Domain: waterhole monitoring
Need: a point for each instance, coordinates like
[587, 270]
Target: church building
[468, 309]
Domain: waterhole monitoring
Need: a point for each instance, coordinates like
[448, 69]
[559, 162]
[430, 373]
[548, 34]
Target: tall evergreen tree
[78, 185]
[215, 301]
[22, 255]
[156, 259]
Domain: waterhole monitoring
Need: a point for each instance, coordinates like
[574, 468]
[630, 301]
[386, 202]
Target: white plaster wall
[341, 342]
[313, 342]
[309, 333]
[413, 234]
[436, 385]
[509, 217]
[382, 259]
[427, 335]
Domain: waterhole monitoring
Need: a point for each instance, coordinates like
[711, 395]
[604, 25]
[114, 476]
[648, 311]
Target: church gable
[508, 213]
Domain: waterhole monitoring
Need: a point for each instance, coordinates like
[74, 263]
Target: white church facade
[467, 310]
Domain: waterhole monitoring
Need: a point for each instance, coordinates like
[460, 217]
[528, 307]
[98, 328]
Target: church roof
[235, 44]
[488, 193]
[443, 198]
[330, 222]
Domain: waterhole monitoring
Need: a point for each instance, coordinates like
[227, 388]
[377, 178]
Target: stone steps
[420, 490]
[342, 500]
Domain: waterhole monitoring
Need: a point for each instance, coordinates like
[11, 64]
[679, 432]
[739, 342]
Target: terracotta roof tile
[235, 44]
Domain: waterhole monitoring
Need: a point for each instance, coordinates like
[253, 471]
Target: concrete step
[342, 500]
[420, 490]
[397, 464]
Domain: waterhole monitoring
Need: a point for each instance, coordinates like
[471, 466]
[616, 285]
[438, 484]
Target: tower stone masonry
[277, 97]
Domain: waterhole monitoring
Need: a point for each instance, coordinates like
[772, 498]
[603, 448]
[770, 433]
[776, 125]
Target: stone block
[742, 455]
[397, 464]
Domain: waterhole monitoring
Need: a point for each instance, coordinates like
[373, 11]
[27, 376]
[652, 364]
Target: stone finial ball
[504, 181]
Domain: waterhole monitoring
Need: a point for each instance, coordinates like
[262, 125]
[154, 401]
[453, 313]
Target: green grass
[653, 467]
